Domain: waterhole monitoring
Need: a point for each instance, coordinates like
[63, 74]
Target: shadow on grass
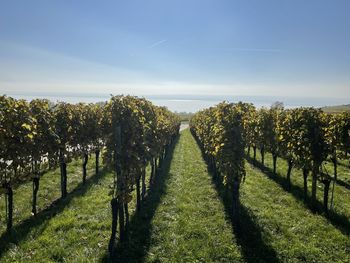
[140, 225]
[341, 222]
[340, 182]
[248, 233]
[346, 165]
[343, 184]
[21, 231]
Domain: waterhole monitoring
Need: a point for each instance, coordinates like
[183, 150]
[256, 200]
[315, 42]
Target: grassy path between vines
[192, 223]
[189, 224]
[184, 218]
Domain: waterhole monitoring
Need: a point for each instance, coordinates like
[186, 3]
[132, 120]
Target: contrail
[157, 43]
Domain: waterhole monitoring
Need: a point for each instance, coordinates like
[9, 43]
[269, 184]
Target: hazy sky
[247, 47]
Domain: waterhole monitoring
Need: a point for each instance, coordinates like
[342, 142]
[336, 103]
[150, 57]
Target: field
[184, 116]
[184, 218]
[336, 109]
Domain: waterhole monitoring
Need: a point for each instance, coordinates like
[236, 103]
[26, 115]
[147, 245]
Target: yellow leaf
[26, 126]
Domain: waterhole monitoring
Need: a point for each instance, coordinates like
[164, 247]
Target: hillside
[336, 109]
[184, 219]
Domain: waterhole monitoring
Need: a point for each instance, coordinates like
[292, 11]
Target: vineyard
[38, 136]
[238, 188]
[306, 138]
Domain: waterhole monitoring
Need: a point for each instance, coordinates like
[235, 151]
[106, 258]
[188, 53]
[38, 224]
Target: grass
[336, 109]
[185, 116]
[294, 232]
[343, 172]
[189, 224]
[73, 229]
[49, 191]
[340, 217]
[184, 218]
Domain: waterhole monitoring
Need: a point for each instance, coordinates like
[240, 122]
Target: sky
[219, 47]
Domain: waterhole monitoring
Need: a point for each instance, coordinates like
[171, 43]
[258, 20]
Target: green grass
[190, 224]
[343, 172]
[184, 218]
[49, 191]
[340, 217]
[336, 109]
[76, 229]
[294, 232]
[184, 116]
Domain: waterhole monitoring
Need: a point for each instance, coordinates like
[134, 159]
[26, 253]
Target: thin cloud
[160, 42]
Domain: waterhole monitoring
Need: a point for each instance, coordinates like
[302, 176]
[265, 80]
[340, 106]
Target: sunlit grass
[183, 219]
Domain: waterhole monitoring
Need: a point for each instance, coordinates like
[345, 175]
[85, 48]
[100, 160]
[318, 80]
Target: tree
[308, 143]
[84, 123]
[17, 131]
[284, 130]
[223, 140]
[252, 130]
[247, 109]
[136, 131]
[63, 113]
[274, 142]
[44, 143]
[97, 138]
[337, 127]
[264, 123]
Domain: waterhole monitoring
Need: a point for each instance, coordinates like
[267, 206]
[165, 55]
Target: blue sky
[247, 47]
